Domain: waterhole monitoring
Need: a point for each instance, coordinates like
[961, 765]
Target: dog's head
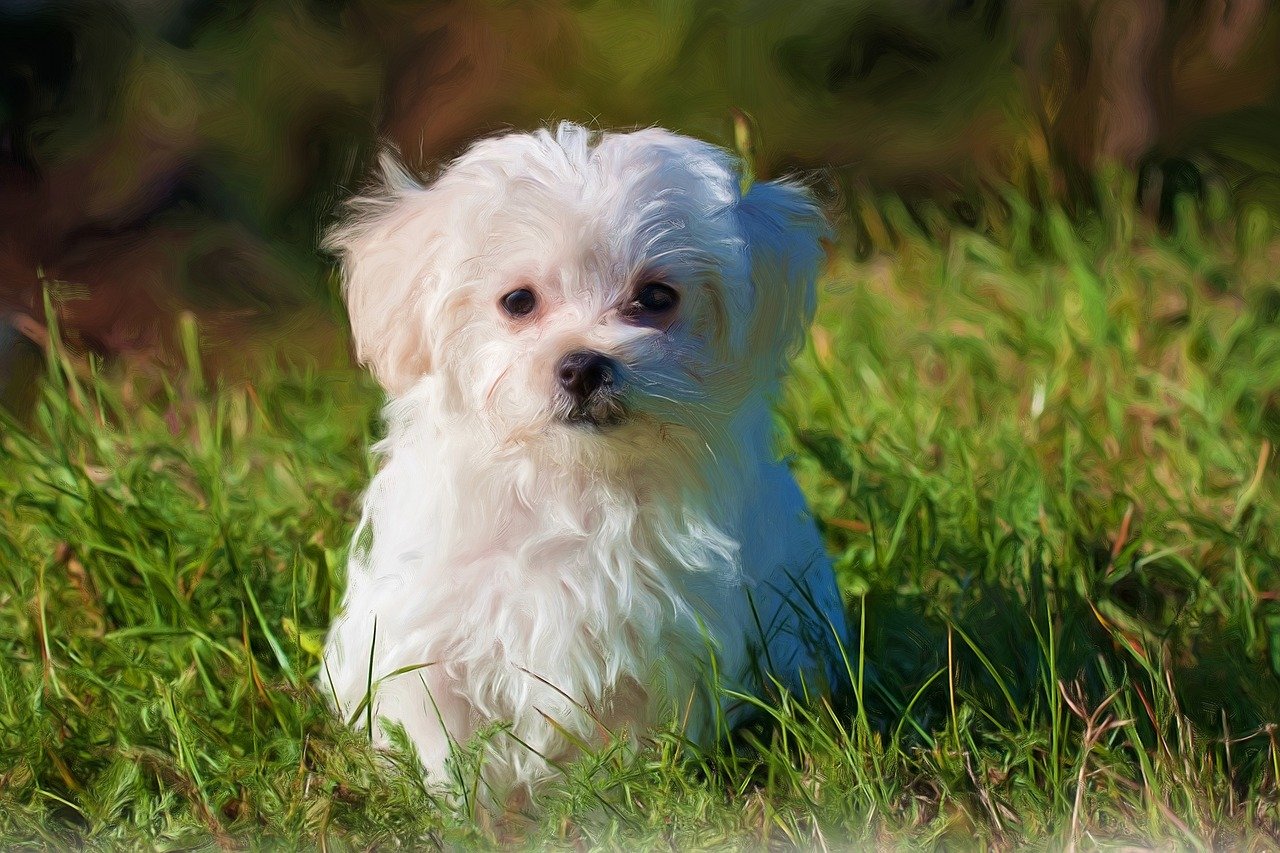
[563, 283]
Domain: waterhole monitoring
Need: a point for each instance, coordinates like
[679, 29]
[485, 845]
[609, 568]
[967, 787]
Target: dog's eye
[519, 303]
[656, 298]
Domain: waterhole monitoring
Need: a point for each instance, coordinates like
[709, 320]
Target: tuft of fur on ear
[784, 228]
[386, 245]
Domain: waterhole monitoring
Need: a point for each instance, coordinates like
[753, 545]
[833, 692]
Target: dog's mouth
[599, 411]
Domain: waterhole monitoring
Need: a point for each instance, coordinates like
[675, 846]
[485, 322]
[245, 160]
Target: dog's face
[558, 287]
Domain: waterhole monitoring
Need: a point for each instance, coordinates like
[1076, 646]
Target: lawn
[1042, 456]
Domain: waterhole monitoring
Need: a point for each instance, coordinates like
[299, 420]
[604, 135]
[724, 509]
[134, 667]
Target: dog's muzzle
[591, 385]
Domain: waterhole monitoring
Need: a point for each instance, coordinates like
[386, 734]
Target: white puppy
[580, 525]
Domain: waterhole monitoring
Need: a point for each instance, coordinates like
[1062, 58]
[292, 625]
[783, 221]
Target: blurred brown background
[163, 155]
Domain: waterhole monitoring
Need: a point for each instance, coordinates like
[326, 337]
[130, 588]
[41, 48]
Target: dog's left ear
[784, 228]
[389, 245]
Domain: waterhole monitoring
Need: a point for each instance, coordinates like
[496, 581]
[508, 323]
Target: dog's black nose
[584, 372]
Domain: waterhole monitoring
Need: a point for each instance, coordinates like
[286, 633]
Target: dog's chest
[586, 600]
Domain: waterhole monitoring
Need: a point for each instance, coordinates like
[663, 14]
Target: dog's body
[579, 524]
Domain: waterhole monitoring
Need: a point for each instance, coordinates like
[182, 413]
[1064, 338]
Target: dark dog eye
[519, 303]
[656, 298]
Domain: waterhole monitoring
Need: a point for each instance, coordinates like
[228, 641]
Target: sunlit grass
[1041, 456]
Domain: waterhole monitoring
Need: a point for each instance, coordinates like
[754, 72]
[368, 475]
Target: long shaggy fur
[515, 566]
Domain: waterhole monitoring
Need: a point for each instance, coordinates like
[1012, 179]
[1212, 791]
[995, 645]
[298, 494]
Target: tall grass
[1042, 456]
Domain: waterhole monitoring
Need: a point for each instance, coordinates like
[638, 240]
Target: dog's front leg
[434, 717]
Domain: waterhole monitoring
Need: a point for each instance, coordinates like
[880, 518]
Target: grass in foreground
[1043, 460]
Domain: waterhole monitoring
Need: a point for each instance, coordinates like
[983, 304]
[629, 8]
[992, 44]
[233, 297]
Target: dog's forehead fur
[544, 205]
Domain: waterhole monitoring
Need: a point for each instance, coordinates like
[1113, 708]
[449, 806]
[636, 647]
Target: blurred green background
[174, 154]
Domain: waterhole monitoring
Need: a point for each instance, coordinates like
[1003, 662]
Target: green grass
[1042, 457]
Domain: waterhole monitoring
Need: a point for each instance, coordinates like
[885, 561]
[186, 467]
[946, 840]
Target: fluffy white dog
[580, 526]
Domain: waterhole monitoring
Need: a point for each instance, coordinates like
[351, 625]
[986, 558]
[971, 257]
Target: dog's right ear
[389, 245]
[784, 227]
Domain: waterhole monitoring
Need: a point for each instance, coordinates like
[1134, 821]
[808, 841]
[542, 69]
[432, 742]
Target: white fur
[532, 569]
